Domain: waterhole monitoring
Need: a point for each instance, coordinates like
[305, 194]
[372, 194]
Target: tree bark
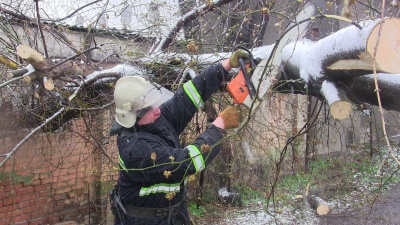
[362, 90]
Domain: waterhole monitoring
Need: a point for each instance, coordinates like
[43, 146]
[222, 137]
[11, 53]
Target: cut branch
[33, 57]
[336, 98]
[319, 205]
[20, 72]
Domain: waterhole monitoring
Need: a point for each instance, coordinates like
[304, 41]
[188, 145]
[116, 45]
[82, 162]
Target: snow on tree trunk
[337, 59]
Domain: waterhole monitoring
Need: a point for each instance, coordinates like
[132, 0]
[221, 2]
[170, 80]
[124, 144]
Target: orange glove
[231, 116]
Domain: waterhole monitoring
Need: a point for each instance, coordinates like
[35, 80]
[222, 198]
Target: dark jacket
[154, 166]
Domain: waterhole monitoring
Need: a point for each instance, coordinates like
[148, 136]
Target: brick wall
[53, 178]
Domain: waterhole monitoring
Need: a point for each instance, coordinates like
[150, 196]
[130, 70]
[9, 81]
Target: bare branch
[74, 12]
[192, 15]
[37, 129]
[46, 54]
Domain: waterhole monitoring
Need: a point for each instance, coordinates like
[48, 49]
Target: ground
[362, 195]
[385, 209]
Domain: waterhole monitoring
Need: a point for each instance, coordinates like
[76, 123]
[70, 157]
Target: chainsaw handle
[252, 64]
[249, 84]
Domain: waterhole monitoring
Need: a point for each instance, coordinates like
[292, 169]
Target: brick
[59, 185]
[44, 181]
[21, 218]
[8, 208]
[58, 208]
[39, 213]
[2, 217]
[59, 197]
[11, 200]
[41, 187]
[40, 221]
[29, 209]
[29, 197]
[22, 223]
[46, 206]
[35, 181]
[8, 188]
[44, 194]
[24, 191]
[73, 182]
[63, 190]
[39, 201]
[67, 223]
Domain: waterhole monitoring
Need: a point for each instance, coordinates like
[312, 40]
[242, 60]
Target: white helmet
[131, 94]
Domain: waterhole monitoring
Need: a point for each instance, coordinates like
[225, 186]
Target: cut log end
[25, 51]
[49, 84]
[32, 56]
[27, 79]
[320, 205]
[340, 110]
[387, 41]
[322, 210]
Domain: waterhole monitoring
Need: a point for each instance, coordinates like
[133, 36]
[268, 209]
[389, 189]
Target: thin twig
[46, 54]
[92, 108]
[378, 92]
[74, 56]
[74, 12]
[10, 81]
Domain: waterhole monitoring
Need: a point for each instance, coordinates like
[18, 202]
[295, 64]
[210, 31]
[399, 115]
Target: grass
[251, 195]
[334, 178]
[197, 210]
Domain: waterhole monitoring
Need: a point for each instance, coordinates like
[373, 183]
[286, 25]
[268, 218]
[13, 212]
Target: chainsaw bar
[267, 73]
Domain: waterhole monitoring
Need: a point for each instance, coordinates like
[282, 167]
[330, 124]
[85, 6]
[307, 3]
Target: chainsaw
[255, 79]
[241, 85]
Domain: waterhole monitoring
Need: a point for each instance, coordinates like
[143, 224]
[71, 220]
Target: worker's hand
[231, 117]
[234, 59]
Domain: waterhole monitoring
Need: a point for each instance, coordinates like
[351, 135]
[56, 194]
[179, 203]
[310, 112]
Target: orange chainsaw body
[237, 88]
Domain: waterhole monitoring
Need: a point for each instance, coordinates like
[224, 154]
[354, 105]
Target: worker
[154, 165]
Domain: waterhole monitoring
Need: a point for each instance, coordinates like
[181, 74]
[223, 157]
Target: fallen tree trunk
[327, 67]
[315, 61]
